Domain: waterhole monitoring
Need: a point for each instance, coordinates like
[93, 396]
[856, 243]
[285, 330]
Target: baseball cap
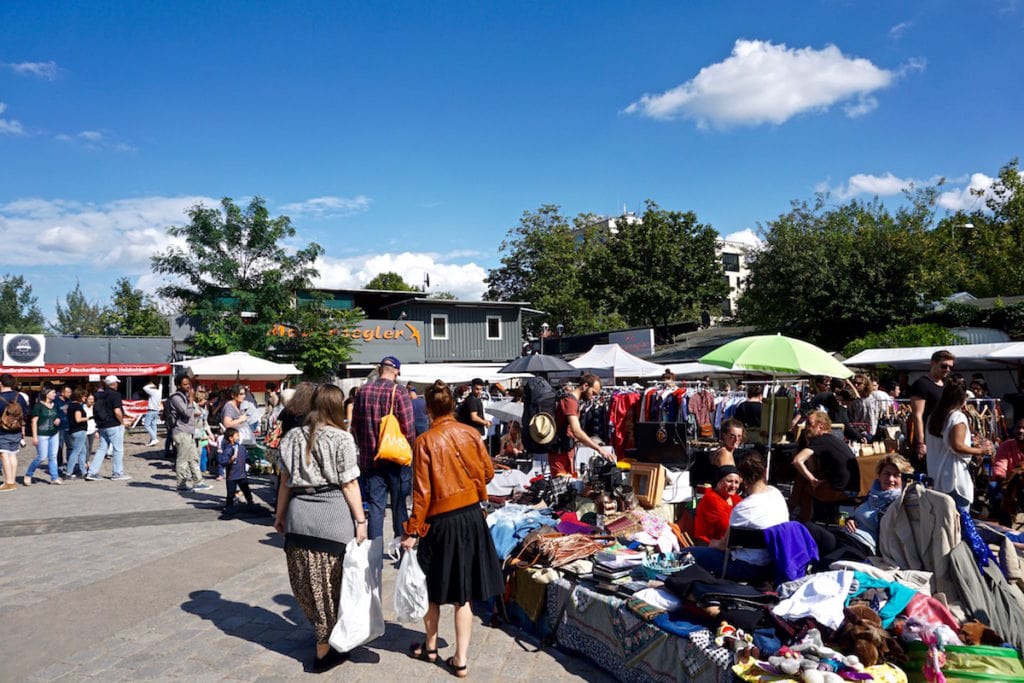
[392, 361]
[111, 379]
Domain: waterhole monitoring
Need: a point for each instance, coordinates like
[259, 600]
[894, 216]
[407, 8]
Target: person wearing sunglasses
[925, 393]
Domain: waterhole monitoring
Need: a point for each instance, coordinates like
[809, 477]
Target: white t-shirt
[759, 511]
[946, 467]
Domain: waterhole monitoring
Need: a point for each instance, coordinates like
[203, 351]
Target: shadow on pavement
[288, 635]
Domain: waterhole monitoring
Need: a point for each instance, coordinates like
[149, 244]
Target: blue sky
[410, 136]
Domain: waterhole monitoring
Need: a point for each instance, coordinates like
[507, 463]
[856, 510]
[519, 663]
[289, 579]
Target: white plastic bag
[411, 599]
[360, 612]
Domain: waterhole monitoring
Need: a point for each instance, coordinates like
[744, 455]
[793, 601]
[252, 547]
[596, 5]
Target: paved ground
[134, 581]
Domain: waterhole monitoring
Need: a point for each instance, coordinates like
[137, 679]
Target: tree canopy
[19, 309]
[390, 281]
[132, 313]
[78, 315]
[234, 276]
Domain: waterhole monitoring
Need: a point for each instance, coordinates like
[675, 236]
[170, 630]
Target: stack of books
[614, 565]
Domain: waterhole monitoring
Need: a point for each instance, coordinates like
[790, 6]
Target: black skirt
[457, 554]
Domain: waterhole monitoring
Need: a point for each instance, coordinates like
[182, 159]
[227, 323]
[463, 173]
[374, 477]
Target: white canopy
[968, 356]
[238, 365]
[453, 373]
[620, 362]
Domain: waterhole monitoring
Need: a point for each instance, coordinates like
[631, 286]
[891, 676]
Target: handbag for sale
[392, 446]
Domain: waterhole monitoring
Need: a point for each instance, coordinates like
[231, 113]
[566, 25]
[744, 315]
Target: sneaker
[27, 481]
[121, 477]
[93, 477]
[153, 442]
[58, 482]
[7, 488]
[184, 489]
[71, 476]
[202, 486]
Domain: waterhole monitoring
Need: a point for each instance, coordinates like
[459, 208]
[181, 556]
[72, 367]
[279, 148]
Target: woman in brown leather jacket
[451, 469]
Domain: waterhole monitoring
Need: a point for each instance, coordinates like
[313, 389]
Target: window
[439, 326]
[731, 262]
[494, 327]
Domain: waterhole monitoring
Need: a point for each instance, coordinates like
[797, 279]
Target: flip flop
[420, 651]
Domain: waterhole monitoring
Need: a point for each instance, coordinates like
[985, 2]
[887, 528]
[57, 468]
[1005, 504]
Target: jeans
[77, 454]
[47, 449]
[109, 437]
[384, 478]
[150, 421]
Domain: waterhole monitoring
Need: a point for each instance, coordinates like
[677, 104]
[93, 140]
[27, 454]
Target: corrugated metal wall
[467, 333]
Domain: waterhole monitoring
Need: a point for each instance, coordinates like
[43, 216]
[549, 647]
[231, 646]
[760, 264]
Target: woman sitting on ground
[763, 507]
[733, 435]
[451, 468]
[826, 469]
[711, 520]
[858, 538]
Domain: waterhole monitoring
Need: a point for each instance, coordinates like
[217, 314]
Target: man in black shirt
[109, 417]
[925, 393]
[749, 412]
[826, 468]
[471, 411]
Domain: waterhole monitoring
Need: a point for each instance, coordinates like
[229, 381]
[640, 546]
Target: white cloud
[91, 135]
[897, 31]
[47, 70]
[120, 235]
[745, 236]
[10, 126]
[464, 280]
[329, 207]
[865, 104]
[884, 185]
[761, 82]
[970, 197]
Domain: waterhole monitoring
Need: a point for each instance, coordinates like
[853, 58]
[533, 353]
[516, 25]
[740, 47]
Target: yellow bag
[392, 446]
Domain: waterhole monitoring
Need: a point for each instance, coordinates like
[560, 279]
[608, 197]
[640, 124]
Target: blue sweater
[237, 470]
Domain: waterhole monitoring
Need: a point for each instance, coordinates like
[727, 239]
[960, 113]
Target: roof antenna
[426, 281]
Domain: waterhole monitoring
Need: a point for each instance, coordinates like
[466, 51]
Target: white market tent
[452, 373]
[620, 362]
[968, 356]
[695, 369]
[238, 365]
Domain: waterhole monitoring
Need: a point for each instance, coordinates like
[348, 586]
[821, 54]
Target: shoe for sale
[121, 477]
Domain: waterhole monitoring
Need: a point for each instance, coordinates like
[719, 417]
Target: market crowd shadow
[288, 634]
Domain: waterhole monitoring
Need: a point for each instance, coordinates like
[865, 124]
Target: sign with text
[89, 369]
[375, 339]
[24, 350]
[637, 342]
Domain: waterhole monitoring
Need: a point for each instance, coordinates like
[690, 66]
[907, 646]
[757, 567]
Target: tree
[78, 315]
[663, 268]
[132, 313]
[19, 310]
[444, 295]
[921, 334]
[829, 274]
[315, 344]
[392, 282]
[235, 277]
[544, 263]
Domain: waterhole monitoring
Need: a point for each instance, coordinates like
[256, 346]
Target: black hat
[724, 471]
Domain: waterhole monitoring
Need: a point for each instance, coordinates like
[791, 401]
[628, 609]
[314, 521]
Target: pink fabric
[1008, 456]
[929, 610]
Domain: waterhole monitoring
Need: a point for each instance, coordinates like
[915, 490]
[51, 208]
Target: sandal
[420, 651]
[457, 671]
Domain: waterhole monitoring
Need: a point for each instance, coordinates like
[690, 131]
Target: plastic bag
[411, 599]
[360, 612]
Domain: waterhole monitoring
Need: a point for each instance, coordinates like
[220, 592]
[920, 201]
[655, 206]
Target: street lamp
[560, 328]
[544, 327]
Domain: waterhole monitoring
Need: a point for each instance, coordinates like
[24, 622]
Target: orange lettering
[389, 334]
[376, 332]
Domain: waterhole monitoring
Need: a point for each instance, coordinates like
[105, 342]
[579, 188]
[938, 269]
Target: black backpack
[538, 405]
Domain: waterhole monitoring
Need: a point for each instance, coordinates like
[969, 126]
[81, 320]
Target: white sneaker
[152, 443]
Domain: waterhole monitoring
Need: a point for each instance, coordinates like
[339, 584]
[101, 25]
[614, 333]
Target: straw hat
[542, 429]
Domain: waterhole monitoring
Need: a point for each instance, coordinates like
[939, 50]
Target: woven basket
[654, 566]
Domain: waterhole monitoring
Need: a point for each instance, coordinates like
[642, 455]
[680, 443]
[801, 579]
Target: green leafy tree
[830, 274]
[545, 263]
[314, 343]
[921, 334]
[390, 281]
[235, 277]
[446, 296]
[664, 268]
[78, 315]
[19, 309]
[133, 313]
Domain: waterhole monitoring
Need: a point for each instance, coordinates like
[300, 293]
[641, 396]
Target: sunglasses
[946, 366]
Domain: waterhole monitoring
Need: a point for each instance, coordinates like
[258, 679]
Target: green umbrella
[775, 354]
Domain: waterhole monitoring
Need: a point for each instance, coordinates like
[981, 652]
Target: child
[232, 456]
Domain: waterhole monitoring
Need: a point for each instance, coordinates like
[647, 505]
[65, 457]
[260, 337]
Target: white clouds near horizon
[464, 280]
[45, 70]
[762, 82]
[9, 126]
[966, 198]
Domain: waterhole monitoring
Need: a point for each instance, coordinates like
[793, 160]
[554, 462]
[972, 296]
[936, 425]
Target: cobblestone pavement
[130, 580]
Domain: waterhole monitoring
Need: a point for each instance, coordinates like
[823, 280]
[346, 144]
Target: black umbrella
[537, 363]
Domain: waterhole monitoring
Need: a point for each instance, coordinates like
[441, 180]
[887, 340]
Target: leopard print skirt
[316, 583]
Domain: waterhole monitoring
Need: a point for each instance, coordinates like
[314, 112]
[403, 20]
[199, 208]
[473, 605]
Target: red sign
[86, 369]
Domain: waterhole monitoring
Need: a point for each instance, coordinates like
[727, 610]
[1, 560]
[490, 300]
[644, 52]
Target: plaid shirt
[371, 404]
